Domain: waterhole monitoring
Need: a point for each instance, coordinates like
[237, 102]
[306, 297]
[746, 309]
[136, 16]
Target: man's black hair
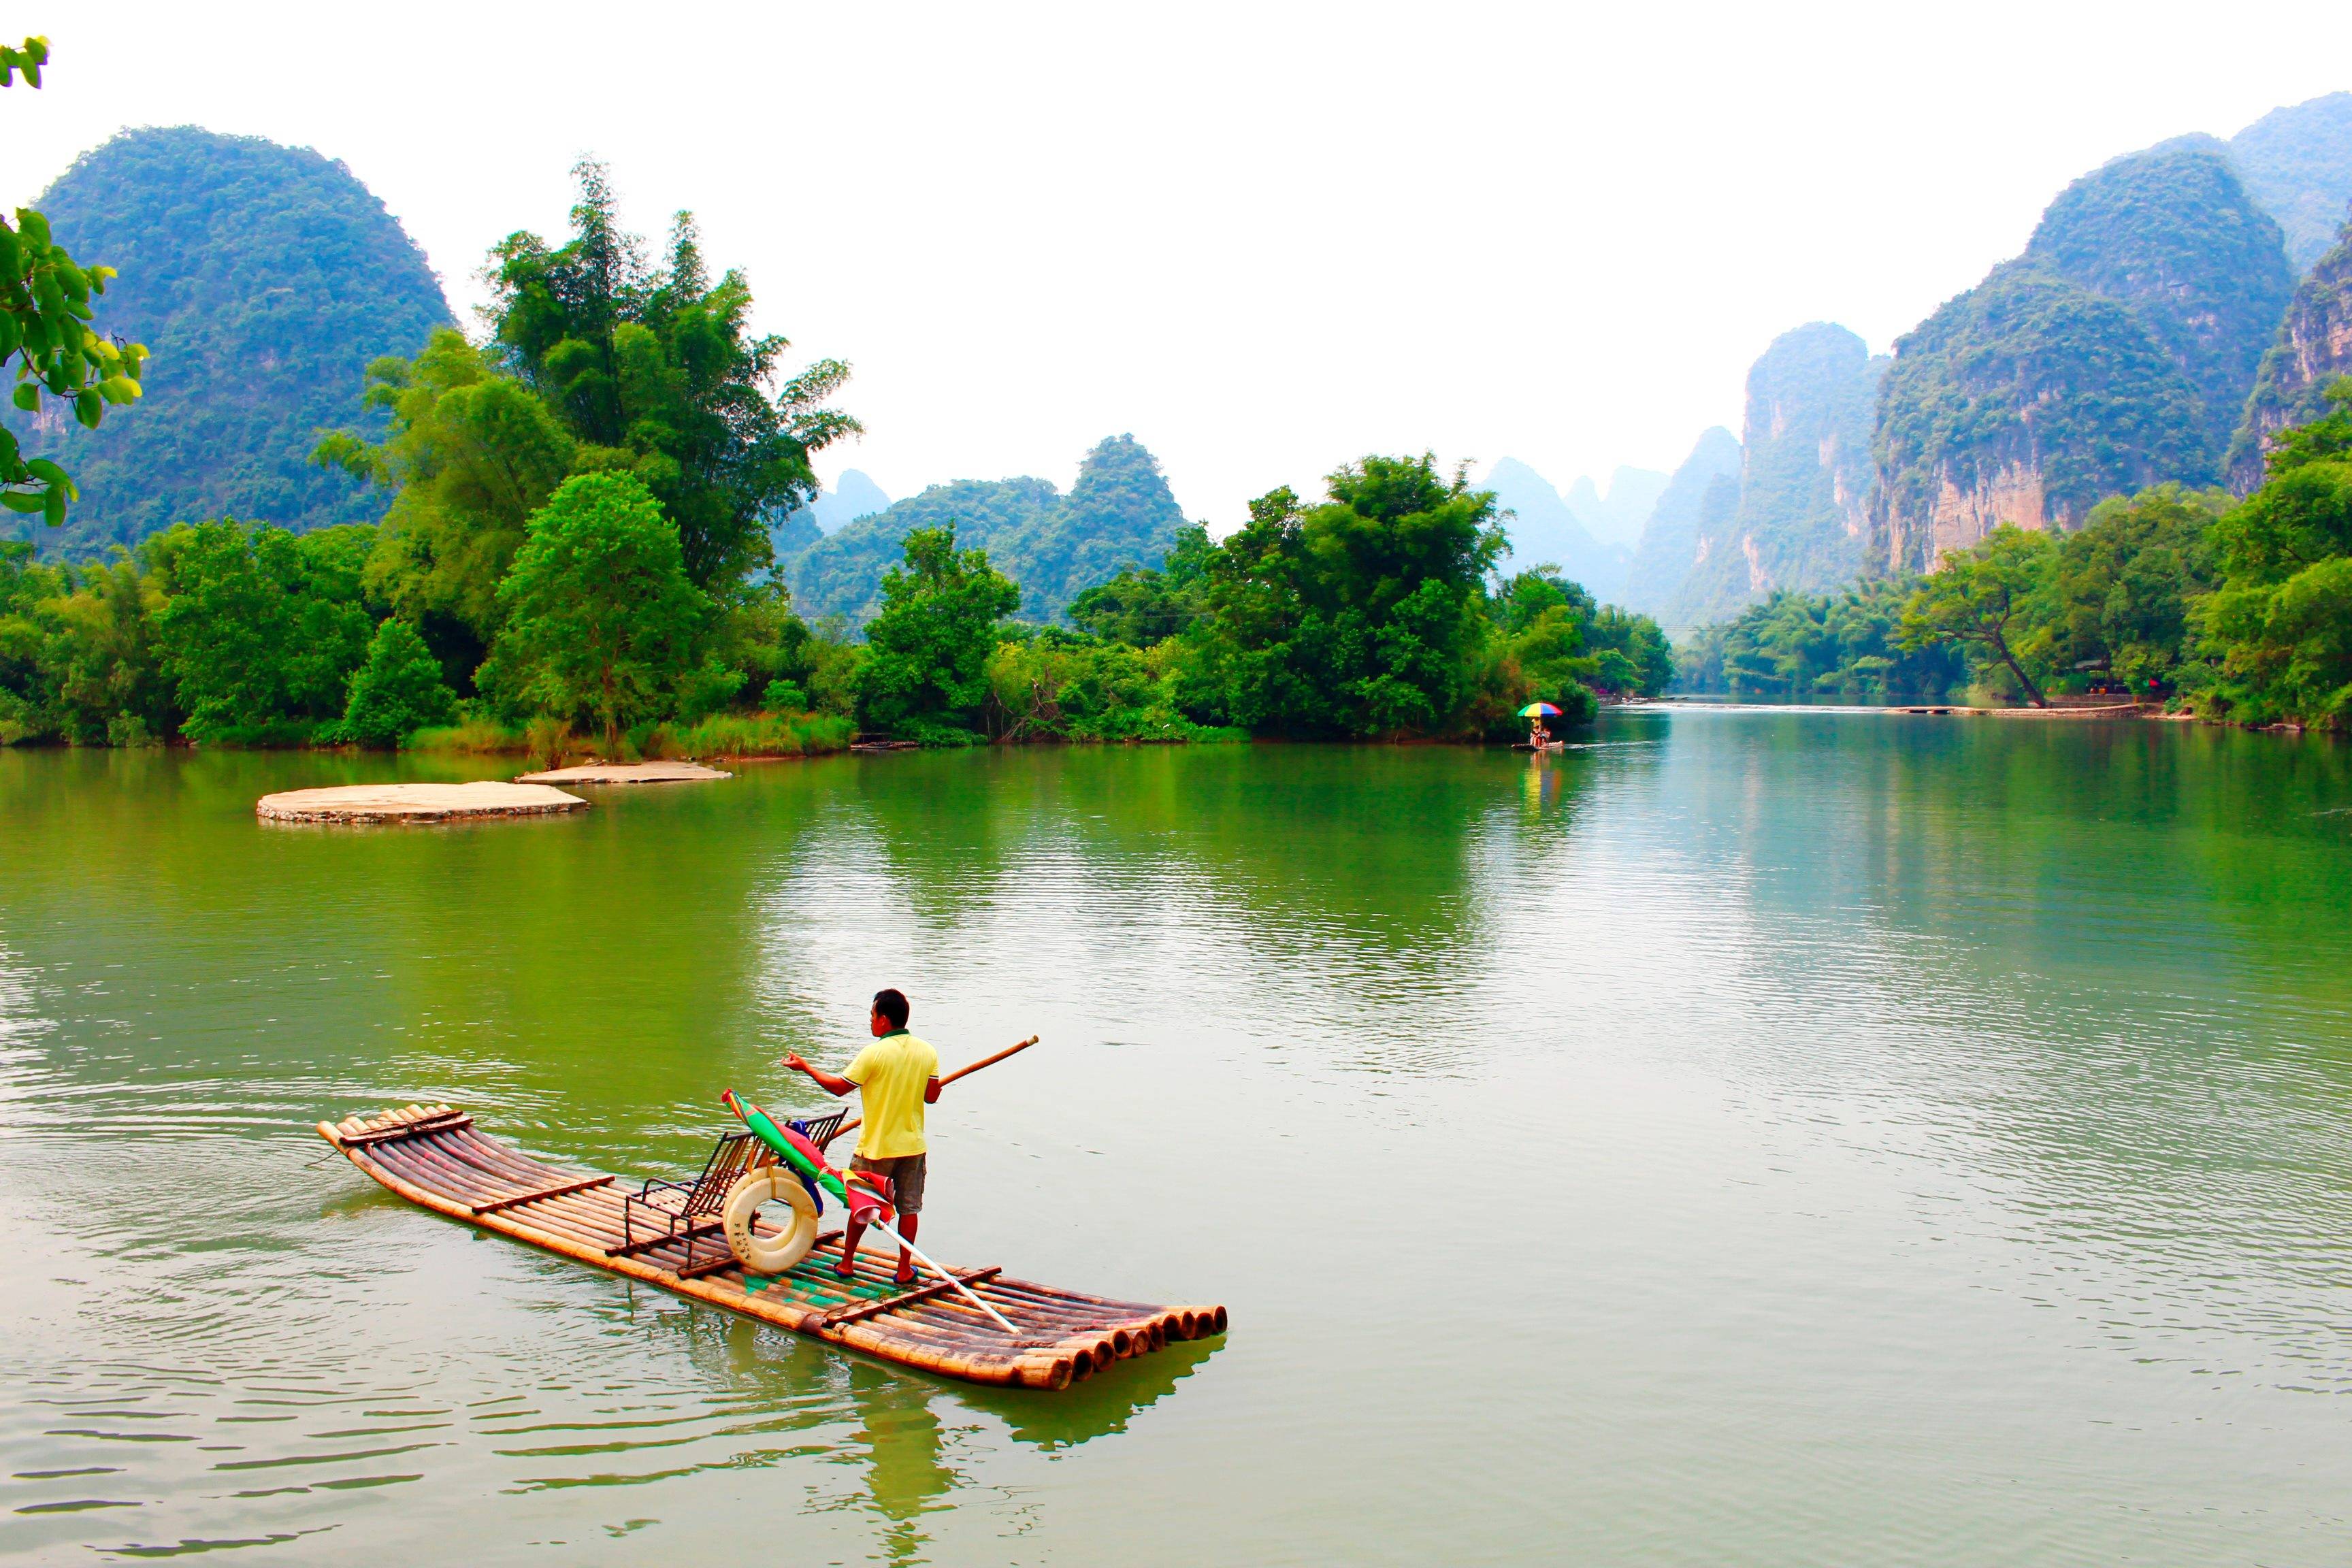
[892, 1005]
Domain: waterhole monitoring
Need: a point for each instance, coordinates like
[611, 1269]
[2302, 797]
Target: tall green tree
[1542, 618]
[45, 328]
[1978, 598]
[2279, 628]
[259, 629]
[657, 367]
[2123, 589]
[1362, 615]
[1145, 605]
[398, 691]
[602, 620]
[1631, 652]
[470, 454]
[926, 669]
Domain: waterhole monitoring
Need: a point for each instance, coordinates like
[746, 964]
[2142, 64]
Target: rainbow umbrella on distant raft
[1538, 710]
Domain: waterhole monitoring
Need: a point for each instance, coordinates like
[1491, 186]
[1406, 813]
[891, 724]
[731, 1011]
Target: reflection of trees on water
[590, 977]
[1369, 850]
[2097, 970]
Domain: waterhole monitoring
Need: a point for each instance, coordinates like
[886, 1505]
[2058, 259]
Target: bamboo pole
[854, 1123]
[961, 1289]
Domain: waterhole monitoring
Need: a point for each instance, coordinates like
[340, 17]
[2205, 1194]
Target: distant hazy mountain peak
[1701, 497]
[852, 496]
[2297, 161]
[1545, 528]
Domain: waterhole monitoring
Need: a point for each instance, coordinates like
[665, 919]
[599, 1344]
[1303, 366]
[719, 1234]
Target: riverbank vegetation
[2238, 610]
[577, 557]
[1372, 613]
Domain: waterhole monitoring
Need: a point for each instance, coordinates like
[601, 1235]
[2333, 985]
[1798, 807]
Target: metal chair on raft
[690, 1211]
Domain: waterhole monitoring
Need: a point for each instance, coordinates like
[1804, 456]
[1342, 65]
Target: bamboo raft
[435, 1157]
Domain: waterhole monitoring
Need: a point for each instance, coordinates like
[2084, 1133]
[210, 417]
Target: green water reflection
[1759, 1137]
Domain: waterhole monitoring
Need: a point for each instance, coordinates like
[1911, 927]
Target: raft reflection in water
[796, 1388]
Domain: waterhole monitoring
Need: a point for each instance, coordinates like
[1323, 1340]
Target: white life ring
[770, 1254]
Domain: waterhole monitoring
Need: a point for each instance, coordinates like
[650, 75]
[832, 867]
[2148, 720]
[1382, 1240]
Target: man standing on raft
[896, 1076]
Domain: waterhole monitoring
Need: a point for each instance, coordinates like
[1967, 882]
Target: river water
[1759, 1137]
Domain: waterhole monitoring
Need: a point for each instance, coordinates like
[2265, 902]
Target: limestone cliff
[1617, 517]
[264, 279]
[1805, 477]
[2025, 400]
[2116, 352]
[2313, 350]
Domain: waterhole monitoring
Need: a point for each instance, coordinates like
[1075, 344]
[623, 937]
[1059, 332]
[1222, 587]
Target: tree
[1362, 615]
[925, 668]
[259, 629]
[1146, 606]
[101, 655]
[1542, 618]
[45, 316]
[2123, 588]
[1634, 657]
[655, 368]
[471, 454]
[398, 690]
[2279, 628]
[602, 620]
[1975, 595]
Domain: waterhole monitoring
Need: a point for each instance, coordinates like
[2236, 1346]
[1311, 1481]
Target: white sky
[1264, 238]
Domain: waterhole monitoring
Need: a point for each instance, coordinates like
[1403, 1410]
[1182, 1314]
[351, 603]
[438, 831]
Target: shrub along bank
[1372, 613]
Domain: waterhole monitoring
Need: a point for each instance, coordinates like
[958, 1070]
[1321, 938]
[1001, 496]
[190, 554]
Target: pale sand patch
[624, 773]
[414, 803]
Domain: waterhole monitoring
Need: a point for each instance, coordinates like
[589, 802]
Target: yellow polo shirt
[891, 1074]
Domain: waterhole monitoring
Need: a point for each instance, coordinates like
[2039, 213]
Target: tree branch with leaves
[45, 330]
[1973, 597]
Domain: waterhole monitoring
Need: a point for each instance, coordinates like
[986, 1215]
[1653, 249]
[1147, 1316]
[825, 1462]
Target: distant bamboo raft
[435, 1156]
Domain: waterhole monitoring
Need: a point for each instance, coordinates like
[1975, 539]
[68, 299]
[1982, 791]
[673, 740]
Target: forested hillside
[2113, 354]
[1804, 475]
[1120, 513]
[2312, 350]
[2172, 233]
[2297, 161]
[264, 279]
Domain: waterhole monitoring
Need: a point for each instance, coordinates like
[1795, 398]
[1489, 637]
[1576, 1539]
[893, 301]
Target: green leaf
[18, 500]
[46, 469]
[88, 407]
[53, 506]
[28, 396]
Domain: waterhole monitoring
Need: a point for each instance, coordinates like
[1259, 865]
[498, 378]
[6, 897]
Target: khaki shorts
[906, 1175]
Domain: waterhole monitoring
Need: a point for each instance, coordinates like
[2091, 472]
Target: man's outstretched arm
[832, 1083]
